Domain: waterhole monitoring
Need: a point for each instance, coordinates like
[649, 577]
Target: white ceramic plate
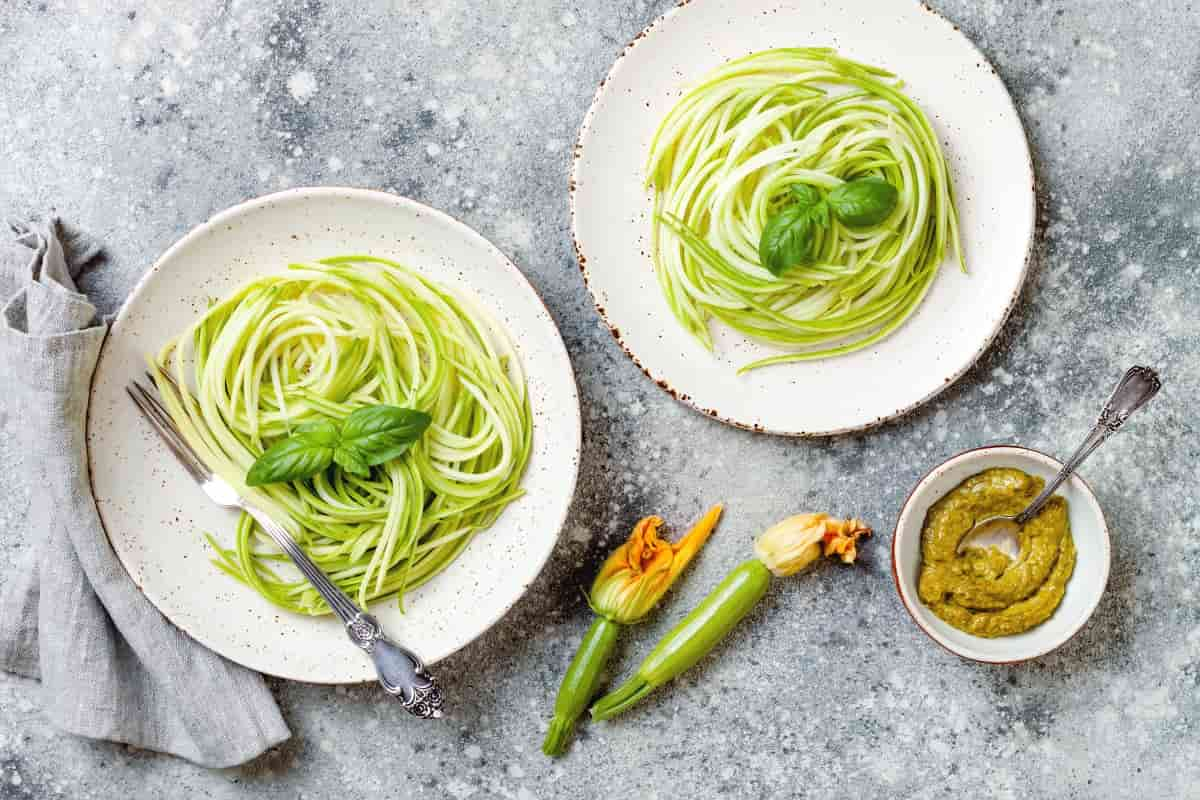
[993, 178]
[154, 514]
[1084, 589]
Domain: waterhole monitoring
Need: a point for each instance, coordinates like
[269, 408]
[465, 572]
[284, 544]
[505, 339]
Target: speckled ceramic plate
[993, 180]
[154, 515]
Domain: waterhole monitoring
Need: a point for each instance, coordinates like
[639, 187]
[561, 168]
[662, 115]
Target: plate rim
[401, 201]
[661, 382]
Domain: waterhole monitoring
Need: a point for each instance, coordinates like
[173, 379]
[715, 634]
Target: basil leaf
[863, 202]
[381, 433]
[805, 195]
[323, 432]
[302, 455]
[819, 214]
[790, 237]
[349, 459]
[367, 437]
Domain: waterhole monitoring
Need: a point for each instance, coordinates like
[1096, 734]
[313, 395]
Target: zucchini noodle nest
[316, 343]
[721, 164]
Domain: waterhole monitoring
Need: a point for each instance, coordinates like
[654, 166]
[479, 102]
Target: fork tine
[181, 394]
[162, 423]
[168, 377]
[160, 418]
[136, 393]
[152, 398]
[153, 414]
[164, 418]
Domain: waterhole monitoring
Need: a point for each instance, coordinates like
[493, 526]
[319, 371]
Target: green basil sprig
[369, 436]
[792, 235]
[863, 202]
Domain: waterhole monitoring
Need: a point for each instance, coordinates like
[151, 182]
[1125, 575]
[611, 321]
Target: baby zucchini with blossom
[783, 549]
[628, 586]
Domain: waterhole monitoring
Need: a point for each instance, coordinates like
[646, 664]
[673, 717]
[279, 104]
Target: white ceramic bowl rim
[910, 601]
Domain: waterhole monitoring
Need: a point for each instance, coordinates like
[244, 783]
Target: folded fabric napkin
[111, 666]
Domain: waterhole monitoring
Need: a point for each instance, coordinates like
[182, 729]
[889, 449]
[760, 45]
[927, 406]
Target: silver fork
[401, 672]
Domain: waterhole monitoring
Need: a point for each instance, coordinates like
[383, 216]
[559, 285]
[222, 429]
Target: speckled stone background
[139, 121]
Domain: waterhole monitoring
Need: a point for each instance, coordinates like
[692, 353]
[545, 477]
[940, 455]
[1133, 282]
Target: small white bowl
[1083, 590]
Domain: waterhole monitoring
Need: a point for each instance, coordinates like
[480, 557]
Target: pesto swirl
[984, 592]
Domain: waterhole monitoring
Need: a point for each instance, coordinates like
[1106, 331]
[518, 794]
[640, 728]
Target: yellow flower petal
[638, 573]
[841, 539]
[796, 542]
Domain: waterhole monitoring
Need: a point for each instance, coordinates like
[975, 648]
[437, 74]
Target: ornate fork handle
[1137, 386]
[401, 672]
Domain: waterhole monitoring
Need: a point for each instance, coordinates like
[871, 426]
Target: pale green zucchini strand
[319, 341]
[721, 164]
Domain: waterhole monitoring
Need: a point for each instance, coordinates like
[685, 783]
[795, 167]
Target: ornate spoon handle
[1136, 388]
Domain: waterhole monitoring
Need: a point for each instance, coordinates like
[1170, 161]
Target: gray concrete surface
[139, 121]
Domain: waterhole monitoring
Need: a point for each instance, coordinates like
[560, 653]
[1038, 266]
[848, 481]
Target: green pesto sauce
[984, 592]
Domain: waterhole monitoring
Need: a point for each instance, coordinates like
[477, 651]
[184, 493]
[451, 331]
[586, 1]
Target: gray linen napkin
[111, 666]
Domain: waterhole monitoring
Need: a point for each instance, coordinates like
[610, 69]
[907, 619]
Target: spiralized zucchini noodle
[317, 342]
[720, 165]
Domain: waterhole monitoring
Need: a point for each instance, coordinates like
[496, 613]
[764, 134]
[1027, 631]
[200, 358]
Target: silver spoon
[1133, 392]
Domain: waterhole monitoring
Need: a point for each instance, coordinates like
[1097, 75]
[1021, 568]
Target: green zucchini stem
[581, 683]
[693, 638]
